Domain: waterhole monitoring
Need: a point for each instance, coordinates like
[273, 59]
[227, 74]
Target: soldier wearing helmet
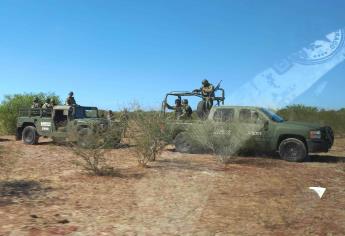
[186, 110]
[48, 104]
[207, 90]
[36, 103]
[70, 101]
[208, 93]
[178, 109]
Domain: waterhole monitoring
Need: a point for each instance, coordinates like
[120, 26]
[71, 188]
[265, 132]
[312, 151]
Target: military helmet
[185, 101]
[178, 101]
[71, 93]
[205, 82]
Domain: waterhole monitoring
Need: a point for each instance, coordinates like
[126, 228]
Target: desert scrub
[223, 140]
[149, 132]
[92, 148]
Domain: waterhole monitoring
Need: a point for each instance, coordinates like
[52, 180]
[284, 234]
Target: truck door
[45, 125]
[254, 125]
[60, 123]
[224, 118]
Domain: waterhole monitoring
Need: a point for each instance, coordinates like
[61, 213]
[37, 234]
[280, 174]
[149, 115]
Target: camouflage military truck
[58, 123]
[265, 132]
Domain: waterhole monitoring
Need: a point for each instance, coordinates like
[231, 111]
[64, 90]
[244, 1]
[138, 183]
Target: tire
[30, 135]
[184, 144]
[202, 110]
[84, 138]
[293, 150]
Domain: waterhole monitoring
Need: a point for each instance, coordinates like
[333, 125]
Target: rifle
[218, 86]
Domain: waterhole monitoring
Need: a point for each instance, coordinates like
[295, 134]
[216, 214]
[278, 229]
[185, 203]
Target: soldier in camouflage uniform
[177, 108]
[186, 110]
[70, 101]
[208, 93]
[207, 89]
[48, 104]
[36, 103]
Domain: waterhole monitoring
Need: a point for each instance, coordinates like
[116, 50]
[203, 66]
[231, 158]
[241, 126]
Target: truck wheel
[293, 150]
[202, 110]
[30, 135]
[184, 144]
[84, 138]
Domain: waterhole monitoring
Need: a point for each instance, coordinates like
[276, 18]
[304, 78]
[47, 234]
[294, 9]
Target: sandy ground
[178, 195]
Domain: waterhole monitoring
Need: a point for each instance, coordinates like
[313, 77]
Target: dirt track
[178, 195]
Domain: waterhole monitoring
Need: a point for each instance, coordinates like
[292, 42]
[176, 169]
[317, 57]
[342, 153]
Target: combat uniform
[178, 110]
[186, 112]
[207, 91]
[70, 101]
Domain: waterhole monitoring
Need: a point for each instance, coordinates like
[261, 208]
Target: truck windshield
[86, 112]
[273, 116]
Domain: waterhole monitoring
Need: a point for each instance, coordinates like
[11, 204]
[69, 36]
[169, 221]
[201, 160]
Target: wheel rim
[291, 150]
[29, 136]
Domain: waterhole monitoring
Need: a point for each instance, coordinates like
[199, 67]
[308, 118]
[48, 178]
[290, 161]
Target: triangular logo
[320, 191]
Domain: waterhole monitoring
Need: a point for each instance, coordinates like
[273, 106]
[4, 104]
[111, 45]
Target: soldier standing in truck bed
[207, 89]
[70, 101]
[208, 94]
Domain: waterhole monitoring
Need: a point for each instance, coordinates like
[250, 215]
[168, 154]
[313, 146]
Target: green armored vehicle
[56, 123]
[264, 130]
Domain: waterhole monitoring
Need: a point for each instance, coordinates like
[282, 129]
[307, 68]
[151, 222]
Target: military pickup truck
[56, 123]
[267, 131]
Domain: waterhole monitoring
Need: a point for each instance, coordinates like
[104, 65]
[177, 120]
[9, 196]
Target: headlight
[315, 134]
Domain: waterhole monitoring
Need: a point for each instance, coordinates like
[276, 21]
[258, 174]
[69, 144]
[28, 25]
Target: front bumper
[315, 146]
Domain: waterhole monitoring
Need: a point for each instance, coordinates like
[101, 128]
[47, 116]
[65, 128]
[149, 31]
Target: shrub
[12, 103]
[92, 149]
[150, 133]
[222, 139]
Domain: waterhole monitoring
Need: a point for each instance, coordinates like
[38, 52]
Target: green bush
[150, 133]
[333, 118]
[12, 103]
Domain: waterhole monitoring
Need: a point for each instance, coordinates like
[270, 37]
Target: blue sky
[111, 53]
